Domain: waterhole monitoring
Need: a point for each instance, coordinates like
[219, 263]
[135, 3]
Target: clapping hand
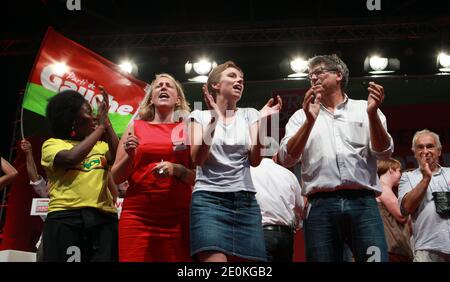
[271, 108]
[375, 98]
[311, 104]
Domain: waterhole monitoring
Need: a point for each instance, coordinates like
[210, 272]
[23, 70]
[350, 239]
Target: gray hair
[331, 62]
[426, 131]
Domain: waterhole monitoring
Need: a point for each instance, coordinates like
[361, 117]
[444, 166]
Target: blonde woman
[154, 223]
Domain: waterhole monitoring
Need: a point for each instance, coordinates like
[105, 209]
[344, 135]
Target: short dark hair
[331, 62]
[62, 110]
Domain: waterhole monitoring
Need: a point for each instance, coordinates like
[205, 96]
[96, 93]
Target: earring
[72, 132]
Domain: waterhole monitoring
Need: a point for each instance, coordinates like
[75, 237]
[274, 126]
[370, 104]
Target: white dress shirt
[431, 231]
[40, 187]
[278, 194]
[338, 153]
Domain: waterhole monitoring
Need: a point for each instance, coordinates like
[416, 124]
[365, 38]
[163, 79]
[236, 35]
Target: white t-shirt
[227, 168]
[431, 231]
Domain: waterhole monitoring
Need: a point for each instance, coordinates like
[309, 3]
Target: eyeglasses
[320, 71]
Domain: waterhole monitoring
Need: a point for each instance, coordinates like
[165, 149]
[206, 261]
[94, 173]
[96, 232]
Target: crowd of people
[201, 189]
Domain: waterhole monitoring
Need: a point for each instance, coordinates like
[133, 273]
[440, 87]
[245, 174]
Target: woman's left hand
[164, 169]
[271, 108]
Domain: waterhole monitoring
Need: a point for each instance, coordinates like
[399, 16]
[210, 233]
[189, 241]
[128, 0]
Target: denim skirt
[227, 222]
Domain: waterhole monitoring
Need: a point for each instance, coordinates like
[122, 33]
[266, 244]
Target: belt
[350, 193]
[281, 228]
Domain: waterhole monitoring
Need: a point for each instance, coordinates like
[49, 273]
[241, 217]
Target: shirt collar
[343, 104]
[439, 171]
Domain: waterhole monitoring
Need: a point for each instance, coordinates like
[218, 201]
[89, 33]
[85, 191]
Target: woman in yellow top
[82, 221]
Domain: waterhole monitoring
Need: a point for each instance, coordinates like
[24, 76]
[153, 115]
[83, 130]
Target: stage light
[444, 62]
[126, 66]
[60, 68]
[200, 68]
[295, 67]
[381, 65]
[378, 63]
[300, 67]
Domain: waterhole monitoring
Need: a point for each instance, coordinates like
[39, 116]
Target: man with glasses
[425, 194]
[338, 141]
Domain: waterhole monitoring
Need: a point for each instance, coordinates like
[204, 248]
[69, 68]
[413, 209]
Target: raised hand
[103, 108]
[131, 143]
[311, 104]
[270, 108]
[211, 104]
[425, 167]
[25, 145]
[375, 98]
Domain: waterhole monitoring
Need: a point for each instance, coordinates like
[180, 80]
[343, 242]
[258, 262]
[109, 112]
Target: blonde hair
[214, 75]
[147, 109]
[385, 165]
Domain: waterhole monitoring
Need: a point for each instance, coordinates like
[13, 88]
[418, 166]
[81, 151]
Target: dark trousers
[84, 235]
[279, 243]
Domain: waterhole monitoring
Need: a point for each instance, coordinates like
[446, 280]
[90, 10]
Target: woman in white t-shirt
[225, 216]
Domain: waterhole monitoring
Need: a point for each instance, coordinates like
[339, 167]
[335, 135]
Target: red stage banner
[63, 64]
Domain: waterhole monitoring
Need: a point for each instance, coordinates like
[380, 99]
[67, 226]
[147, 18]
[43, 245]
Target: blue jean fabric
[344, 216]
[227, 222]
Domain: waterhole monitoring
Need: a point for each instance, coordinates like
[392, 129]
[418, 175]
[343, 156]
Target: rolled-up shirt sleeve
[383, 155]
[294, 124]
[40, 187]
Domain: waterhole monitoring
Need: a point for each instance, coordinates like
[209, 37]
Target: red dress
[154, 223]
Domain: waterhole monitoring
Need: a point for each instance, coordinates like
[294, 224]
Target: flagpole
[21, 123]
[148, 91]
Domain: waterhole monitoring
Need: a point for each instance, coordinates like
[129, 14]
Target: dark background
[160, 36]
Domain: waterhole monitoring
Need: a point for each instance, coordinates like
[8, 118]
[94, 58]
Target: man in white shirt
[278, 193]
[338, 141]
[425, 194]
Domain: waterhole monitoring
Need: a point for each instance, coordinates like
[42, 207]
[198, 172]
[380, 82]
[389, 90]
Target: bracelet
[183, 174]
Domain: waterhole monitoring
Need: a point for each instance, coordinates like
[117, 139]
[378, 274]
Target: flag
[63, 64]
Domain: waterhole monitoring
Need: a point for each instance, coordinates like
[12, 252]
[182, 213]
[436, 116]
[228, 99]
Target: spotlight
[377, 63]
[60, 68]
[299, 66]
[443, 62]
[128, 67]
[294, 68]
[381, 65]
[200, 68]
